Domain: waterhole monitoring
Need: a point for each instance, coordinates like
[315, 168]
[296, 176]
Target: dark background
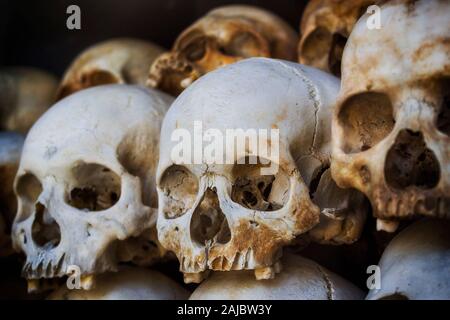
[34, 33]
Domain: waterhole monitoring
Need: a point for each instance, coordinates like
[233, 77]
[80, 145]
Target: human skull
[85, 183]
[416, 264]
[301, 279]
[391, 125]
[325, 27]
[10, 148]
[116, 61]
[223, 36]
[25, 94]
[234, 216]
[127, 284]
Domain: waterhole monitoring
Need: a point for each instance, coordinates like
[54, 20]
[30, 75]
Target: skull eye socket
[244, 45]
[93, 187]
[196, 49]
[316, 46]
[180, 188]
[443, 120]
[97, 78]
[208, 222]
[28, 189]
[88, 80]
[365, 119]
[259, 192]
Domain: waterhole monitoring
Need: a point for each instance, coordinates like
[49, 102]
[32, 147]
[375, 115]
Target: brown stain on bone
[282, 116]
[263, 242]
[428, 48]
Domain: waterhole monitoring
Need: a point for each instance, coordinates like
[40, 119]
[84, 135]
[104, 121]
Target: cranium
[223, 36]
[117, 61]
[325, 27]
[85, 184]
[301, 279]
[391, 126]
[10, 148]
[25, 94]
[127, 284]
[232, 216]
[416, 264]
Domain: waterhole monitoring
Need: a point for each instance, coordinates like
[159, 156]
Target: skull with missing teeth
[325, 27]
[223, 36]
[85, 184]
[225, 207]
[392, 124]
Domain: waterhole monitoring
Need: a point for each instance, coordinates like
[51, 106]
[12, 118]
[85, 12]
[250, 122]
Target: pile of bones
[97, 202]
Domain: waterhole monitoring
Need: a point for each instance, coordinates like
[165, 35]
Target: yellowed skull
[223, 36]
[325, 27]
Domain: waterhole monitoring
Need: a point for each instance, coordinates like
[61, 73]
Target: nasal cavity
[409, 163]
[209, 225]
[45, 231]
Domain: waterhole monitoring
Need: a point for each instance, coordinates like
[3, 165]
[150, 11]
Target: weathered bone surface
[325, 28]
[25, 94]
[86, 181]
[10, 148]
[416, 263]
[230, 217]
[223, 36]
[391, 126]
[117, 61]
[301, 279]
[127, 284]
